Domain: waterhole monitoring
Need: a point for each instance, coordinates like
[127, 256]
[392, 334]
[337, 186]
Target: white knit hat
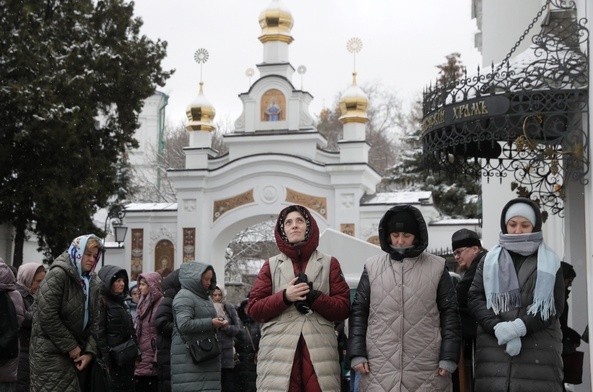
[520, 209]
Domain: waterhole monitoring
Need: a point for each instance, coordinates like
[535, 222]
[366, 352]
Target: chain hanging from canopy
[527, 115]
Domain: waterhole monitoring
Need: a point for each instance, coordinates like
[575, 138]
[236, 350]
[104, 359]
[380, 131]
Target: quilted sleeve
[359, 316]
[449, 319]
[49, 302]
[186, 318]
[263, 305]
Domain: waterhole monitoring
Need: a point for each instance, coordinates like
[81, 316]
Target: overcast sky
[403, 41]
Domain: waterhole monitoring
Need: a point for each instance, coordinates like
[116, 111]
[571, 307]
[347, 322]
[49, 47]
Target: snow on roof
[453, 222]
[151, 207]
[398, 198]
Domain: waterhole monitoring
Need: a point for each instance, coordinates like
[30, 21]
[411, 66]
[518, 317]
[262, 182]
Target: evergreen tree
[451, 70]
[455, 195]
[65, 65]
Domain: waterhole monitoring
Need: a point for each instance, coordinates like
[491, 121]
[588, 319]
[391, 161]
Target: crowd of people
[410, 327]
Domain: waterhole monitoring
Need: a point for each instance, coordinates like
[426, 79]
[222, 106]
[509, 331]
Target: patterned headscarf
[287, 211]
[76, 253]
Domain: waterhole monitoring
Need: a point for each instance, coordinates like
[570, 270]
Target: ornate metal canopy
[527, 115]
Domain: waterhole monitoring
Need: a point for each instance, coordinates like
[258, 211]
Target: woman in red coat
[298, 295]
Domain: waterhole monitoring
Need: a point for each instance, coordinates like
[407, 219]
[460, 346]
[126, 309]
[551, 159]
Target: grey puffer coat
[193, 311]
[538, 367]
[58, 327]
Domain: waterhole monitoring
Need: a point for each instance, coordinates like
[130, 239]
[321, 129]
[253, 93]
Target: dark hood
[301, 250]
[538, 215]
[108, 273]
[421, 242]
[171, 284]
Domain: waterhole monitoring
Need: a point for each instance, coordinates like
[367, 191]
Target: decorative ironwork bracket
[528, 115]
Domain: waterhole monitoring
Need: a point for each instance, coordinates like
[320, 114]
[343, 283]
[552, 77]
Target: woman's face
[217, 296]
[400, 239]
[519, 225]
[143, 287]
[207, 279]
[118, 286]
[295, 227]
[37, 281]
[135, 293]
[89, 259]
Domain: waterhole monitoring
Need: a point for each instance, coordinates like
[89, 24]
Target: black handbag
[201, 350]
[125, 353]
[100, 380]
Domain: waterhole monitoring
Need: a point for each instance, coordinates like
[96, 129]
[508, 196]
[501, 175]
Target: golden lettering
[433, 120]
[469, 110]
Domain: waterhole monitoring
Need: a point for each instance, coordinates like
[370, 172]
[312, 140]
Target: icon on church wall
[347, 228]
[189, 244]
[137, 253]
[164, 262]
[273, 106]
[374, 240]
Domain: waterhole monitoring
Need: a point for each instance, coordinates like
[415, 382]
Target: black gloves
[312, 296]
[304, 307]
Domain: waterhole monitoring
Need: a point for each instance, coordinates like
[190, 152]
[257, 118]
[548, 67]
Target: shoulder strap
[250, 337]
[177, 328]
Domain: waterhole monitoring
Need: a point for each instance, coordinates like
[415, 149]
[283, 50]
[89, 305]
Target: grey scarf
[500, 278]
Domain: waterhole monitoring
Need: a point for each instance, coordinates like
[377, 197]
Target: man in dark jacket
[468, 251]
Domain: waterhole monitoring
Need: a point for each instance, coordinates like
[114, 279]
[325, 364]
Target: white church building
[276, 157]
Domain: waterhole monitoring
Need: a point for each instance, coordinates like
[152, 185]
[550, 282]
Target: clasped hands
[80, 361]
[297, 292]
[220, 323]
[510, 333]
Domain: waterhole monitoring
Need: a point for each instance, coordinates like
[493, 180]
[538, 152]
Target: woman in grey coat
[195, 318]
[517, 297]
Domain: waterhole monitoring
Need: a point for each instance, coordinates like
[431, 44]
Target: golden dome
[276, 22]
[353, 104]
[200, 113]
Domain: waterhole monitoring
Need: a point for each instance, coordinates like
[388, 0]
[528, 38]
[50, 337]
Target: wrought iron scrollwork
[527, 115]
[115, 215]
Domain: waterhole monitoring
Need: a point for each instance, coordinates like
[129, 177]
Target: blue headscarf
[76, 253]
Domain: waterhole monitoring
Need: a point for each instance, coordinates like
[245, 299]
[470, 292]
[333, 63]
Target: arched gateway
[276, 157]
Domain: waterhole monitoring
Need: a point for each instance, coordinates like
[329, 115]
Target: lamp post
[115, 216]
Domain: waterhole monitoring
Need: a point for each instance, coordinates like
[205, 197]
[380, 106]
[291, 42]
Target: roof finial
[249, 72]
[354, 45]
[201, 56]
[301, 70]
